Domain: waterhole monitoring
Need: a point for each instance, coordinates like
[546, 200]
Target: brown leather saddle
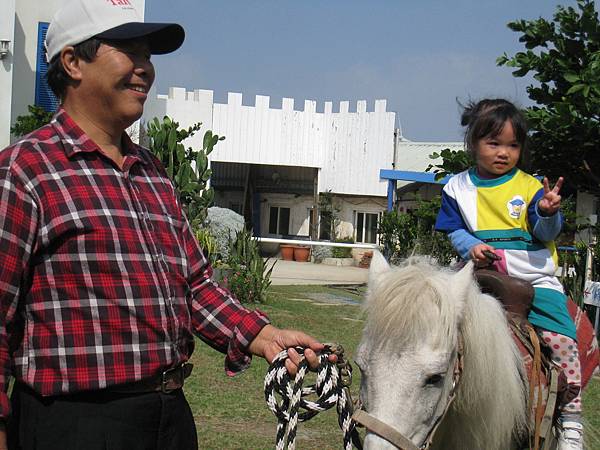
[516, 295]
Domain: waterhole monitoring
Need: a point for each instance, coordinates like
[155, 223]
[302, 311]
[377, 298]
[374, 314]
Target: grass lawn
[231, 413]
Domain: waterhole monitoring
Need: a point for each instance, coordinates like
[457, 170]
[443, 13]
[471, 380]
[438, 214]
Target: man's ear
[71, 63]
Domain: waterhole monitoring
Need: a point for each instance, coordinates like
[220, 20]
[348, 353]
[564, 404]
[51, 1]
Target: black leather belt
[165, 382]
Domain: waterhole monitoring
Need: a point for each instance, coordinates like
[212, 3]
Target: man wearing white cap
[102, 284]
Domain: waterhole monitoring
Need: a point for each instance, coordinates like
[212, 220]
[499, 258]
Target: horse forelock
[410, 304]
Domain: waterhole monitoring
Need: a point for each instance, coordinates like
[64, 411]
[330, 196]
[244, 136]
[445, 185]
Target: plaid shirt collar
[75, 140]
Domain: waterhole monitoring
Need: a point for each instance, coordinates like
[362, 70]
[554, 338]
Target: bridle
[396, 438]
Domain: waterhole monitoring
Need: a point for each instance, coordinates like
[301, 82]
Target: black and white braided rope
[294, 407]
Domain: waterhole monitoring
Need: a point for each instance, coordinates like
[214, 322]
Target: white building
[274, 162]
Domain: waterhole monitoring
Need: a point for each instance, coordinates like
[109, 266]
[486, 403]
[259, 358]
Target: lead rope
[331, 388]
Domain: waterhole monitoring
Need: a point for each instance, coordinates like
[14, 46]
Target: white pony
[415, 314]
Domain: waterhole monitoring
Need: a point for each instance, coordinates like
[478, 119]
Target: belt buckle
[164, 380]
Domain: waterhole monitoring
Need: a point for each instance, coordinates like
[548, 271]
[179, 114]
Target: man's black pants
[101, 421]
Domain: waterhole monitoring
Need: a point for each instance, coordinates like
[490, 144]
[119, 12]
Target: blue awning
[393, 176]
[406, 175]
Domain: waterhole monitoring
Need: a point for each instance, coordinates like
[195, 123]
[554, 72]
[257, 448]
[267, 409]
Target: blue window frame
[44, 96]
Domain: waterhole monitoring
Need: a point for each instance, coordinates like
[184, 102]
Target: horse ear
[378, 265]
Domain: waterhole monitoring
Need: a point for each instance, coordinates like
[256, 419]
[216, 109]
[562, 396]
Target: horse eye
[434, 379]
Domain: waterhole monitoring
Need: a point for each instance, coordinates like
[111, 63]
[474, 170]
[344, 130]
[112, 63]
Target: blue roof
[406, 175]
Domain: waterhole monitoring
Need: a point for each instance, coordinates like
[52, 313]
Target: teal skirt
[549, 312]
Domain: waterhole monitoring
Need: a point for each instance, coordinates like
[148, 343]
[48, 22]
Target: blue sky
[419, 55]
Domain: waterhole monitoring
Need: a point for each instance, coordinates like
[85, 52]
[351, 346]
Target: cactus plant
[187, 167]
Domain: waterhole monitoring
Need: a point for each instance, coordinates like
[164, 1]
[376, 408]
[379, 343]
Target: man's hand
[271, 340]
[549, 204]
[479, 257]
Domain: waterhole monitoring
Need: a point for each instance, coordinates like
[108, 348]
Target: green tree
[453, 161]
[187, 167]
[36, 118]
[564, 57]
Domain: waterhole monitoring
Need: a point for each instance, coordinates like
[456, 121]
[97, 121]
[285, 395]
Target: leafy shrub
[250, 278]
[188, 168]
[36, 118]
[223, 224]
[397, 234]
[573, 273]
[342, 252]
[208, 244]
[320, 252]
[406, 234]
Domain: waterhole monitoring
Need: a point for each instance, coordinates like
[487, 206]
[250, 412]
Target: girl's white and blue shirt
[502, 212]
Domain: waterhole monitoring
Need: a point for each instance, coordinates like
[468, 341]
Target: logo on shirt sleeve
[515, 206]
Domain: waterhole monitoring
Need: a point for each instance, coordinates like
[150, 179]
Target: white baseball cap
[80, 20]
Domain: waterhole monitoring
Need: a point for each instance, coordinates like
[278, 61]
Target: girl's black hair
[57, 77]
[487, 117]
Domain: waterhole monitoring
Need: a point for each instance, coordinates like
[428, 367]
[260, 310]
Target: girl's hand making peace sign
[549, 204]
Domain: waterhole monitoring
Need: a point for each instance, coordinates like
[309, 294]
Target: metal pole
[390, 194]
[315, 213]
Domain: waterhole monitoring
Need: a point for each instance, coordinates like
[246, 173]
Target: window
[279, 220]
[44, 96]
[366, 227]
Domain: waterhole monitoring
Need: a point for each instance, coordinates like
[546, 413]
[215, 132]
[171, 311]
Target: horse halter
[396, 438]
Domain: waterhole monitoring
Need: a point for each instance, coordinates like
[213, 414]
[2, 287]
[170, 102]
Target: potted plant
[287, 252]
[301, 253]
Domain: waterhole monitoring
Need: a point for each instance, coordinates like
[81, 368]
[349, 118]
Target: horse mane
[406, 299]
[405, 304]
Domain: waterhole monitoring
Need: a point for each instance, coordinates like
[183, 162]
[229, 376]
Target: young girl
[495, 207]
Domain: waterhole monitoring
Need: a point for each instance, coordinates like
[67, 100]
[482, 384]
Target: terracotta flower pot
[287, 252]
[301, 253]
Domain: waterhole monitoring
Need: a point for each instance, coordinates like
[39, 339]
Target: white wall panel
[359, 145]
[7, 31]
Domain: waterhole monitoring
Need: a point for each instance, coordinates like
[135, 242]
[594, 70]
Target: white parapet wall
[348, 147]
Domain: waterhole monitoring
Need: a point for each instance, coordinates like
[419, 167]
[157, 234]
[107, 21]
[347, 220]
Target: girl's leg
[566, 356]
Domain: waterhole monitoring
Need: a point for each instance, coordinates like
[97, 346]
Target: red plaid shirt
[101, 279]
